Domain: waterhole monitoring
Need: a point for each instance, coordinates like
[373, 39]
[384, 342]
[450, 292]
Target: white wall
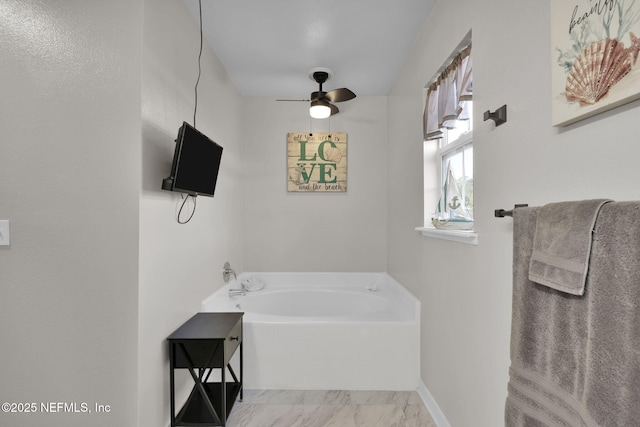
[181, 264]
[466, 290]
[314, 232]
[70, 183]
[99, 272]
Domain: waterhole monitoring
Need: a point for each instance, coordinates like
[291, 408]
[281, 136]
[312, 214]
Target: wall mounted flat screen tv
[196, 163]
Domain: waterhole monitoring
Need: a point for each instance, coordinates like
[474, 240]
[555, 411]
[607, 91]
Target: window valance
[447, 97]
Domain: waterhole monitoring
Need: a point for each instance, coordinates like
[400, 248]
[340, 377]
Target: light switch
[5, 236]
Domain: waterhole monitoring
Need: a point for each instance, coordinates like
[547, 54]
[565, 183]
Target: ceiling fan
[321, 105]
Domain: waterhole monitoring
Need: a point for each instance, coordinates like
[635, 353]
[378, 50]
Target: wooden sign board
[317, 162]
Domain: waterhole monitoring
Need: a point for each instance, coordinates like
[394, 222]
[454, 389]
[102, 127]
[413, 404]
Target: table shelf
[196, 413]
[206, 342]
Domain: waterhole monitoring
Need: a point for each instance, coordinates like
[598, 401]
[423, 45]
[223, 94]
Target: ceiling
[268, 46]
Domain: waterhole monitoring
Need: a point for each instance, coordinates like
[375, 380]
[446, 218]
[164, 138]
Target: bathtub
[326, 331]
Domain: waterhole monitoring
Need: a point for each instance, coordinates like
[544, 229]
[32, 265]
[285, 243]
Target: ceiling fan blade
[334, 109]
[339, 95]
[306, 100]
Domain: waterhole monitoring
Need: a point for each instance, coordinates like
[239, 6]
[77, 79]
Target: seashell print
[599, 67]
[333, 154]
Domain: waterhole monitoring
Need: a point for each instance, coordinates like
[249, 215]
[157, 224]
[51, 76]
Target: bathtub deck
[337, 408]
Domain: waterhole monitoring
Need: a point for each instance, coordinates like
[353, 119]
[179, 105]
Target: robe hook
[499, 116]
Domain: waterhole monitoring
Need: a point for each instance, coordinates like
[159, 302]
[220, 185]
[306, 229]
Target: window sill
[461, 236]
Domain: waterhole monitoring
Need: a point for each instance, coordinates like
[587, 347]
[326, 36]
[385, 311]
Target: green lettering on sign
[303, 152]
[326, 173]
[303, 171]
[321, 149]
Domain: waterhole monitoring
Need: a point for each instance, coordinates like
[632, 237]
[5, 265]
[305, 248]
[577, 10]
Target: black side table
[204, 343]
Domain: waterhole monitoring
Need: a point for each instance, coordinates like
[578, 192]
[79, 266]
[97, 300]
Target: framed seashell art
[317, 162]
[594, 55]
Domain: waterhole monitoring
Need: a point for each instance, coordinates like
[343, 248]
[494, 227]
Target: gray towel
[575, 360]
[562, 244]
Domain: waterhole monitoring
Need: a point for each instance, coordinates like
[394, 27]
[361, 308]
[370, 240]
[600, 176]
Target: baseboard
[432, 406]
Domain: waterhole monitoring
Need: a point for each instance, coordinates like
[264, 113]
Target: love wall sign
[317, 162]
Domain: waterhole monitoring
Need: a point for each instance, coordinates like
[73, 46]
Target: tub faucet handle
[227, 272]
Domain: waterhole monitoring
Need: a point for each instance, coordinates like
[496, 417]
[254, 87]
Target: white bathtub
[349, 331]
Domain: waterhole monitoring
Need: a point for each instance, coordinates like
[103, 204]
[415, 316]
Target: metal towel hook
[499, 116]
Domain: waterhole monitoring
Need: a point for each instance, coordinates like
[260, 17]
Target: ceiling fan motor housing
[321, 76]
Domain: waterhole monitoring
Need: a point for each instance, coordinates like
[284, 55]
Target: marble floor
[337, 408]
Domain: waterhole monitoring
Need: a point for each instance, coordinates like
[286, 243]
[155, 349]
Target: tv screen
[196, 162]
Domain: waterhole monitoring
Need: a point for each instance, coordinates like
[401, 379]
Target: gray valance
[447, 97]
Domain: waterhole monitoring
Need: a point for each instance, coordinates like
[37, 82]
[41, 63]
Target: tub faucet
[227, 272]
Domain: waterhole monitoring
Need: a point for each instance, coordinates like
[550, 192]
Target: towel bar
[501, 213]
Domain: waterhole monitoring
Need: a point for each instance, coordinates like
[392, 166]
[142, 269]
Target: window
[455, 150]
[448, 136]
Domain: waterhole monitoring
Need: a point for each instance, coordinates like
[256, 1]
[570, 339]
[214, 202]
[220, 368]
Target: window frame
[461, 236]
[450, 149]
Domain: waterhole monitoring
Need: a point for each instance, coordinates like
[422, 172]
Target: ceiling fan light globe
[319, 110]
